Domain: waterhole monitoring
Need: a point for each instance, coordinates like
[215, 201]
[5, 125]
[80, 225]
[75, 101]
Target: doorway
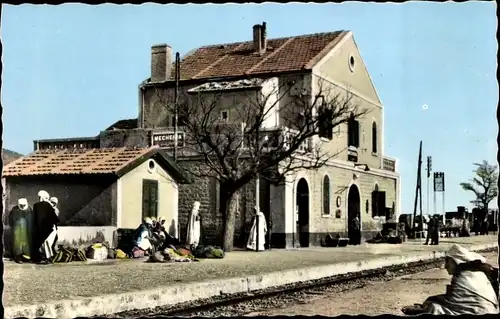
[353, 210]
[302, 202]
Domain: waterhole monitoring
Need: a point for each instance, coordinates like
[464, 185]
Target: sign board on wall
[166, 140]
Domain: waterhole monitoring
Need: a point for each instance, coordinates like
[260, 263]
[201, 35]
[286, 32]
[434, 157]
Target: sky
[72, 70]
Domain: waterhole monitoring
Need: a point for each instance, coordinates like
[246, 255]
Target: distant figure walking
[20, 222]
[258, 230]
[194, 227]
[355, 239]
[431, 225]
[436, 232]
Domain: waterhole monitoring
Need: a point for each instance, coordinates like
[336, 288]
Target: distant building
[99, 190]
[312, 203]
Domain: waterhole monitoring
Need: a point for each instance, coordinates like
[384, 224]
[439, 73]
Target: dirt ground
[375, 298]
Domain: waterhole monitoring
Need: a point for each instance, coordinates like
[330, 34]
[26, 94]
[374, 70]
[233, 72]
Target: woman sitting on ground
[472, 288]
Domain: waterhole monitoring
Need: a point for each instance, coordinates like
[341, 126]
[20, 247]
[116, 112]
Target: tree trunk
[228, 207]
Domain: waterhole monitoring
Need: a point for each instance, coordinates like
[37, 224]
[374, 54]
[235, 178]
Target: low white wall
[79, 235]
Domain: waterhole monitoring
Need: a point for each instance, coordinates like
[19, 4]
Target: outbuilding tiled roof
[75, 161]
[114, 161]
[238, 59]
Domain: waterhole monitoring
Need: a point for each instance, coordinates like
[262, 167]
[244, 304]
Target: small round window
[151, 166]
[352, 63]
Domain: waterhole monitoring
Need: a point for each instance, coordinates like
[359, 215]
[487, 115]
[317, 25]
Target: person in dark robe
[20, 222]
[356, 227]
[431, 225]
[436, 231]
[45, 219]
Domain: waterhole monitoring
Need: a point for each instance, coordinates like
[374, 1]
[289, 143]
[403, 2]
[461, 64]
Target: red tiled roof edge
[326, 49]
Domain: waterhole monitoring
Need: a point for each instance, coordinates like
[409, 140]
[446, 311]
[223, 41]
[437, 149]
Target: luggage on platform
[120, 254]
[64, 255]
[97, 252]
[79, 255]
[137, 253]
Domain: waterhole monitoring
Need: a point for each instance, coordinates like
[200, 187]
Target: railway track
[244, 303]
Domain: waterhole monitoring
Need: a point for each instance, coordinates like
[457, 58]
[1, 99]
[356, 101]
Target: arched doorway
[353, 210]
[302, 202]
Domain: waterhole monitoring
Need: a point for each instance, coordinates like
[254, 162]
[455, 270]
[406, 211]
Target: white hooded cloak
[194, 227]
[262, 230]
[470, 292]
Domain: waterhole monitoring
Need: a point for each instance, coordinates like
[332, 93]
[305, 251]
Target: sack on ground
[96, 252]
[208, 252]
[79, 255]
[137, 253]
[64, 255]
[156, 258]
[120, 254]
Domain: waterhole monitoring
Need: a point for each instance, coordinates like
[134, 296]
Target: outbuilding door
[149, 198]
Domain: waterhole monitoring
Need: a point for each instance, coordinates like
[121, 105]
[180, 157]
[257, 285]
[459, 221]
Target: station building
[361, 179]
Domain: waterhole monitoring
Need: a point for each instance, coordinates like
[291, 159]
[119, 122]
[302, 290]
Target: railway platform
[86, 289]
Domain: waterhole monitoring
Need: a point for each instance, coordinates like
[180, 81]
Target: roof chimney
[161, 62]
[257, 38]
[263, 35]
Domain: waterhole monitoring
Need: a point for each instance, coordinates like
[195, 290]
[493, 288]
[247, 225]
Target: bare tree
[483, 185]
[244, 147]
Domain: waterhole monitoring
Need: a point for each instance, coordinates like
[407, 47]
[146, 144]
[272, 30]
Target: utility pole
[176, 101]
[418, 191]
[257, 184]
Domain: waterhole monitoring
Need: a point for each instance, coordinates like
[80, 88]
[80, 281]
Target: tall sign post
[429, 170]
[439, 187]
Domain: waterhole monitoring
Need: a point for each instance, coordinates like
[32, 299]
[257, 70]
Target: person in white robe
[194, 227]
[470, 291]
[259, 230]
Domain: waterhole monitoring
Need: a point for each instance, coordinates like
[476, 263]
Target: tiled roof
[238, 59]
[75, 161]
[127, 124]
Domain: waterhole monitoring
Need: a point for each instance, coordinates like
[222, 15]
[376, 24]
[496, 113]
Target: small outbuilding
[100, 191]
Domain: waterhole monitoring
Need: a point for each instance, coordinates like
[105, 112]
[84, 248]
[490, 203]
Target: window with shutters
[326, 195]
[352, 132]
[149, 198]
[378, 203]
[374, 137]
[325, 123]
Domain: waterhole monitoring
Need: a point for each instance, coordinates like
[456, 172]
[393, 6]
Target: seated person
[471, 290]
[142, 237]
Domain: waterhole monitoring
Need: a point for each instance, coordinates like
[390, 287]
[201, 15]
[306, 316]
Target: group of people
[151, 235]
[34, 229]
[473, 289]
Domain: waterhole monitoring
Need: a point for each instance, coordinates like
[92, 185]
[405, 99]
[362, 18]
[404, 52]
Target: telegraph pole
[176, 101]
[418, 190]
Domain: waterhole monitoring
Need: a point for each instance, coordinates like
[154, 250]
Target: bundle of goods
[336, 241]
[208, 252]
[97, 252]
[172, 254]
[69, 254]
[385, 239]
